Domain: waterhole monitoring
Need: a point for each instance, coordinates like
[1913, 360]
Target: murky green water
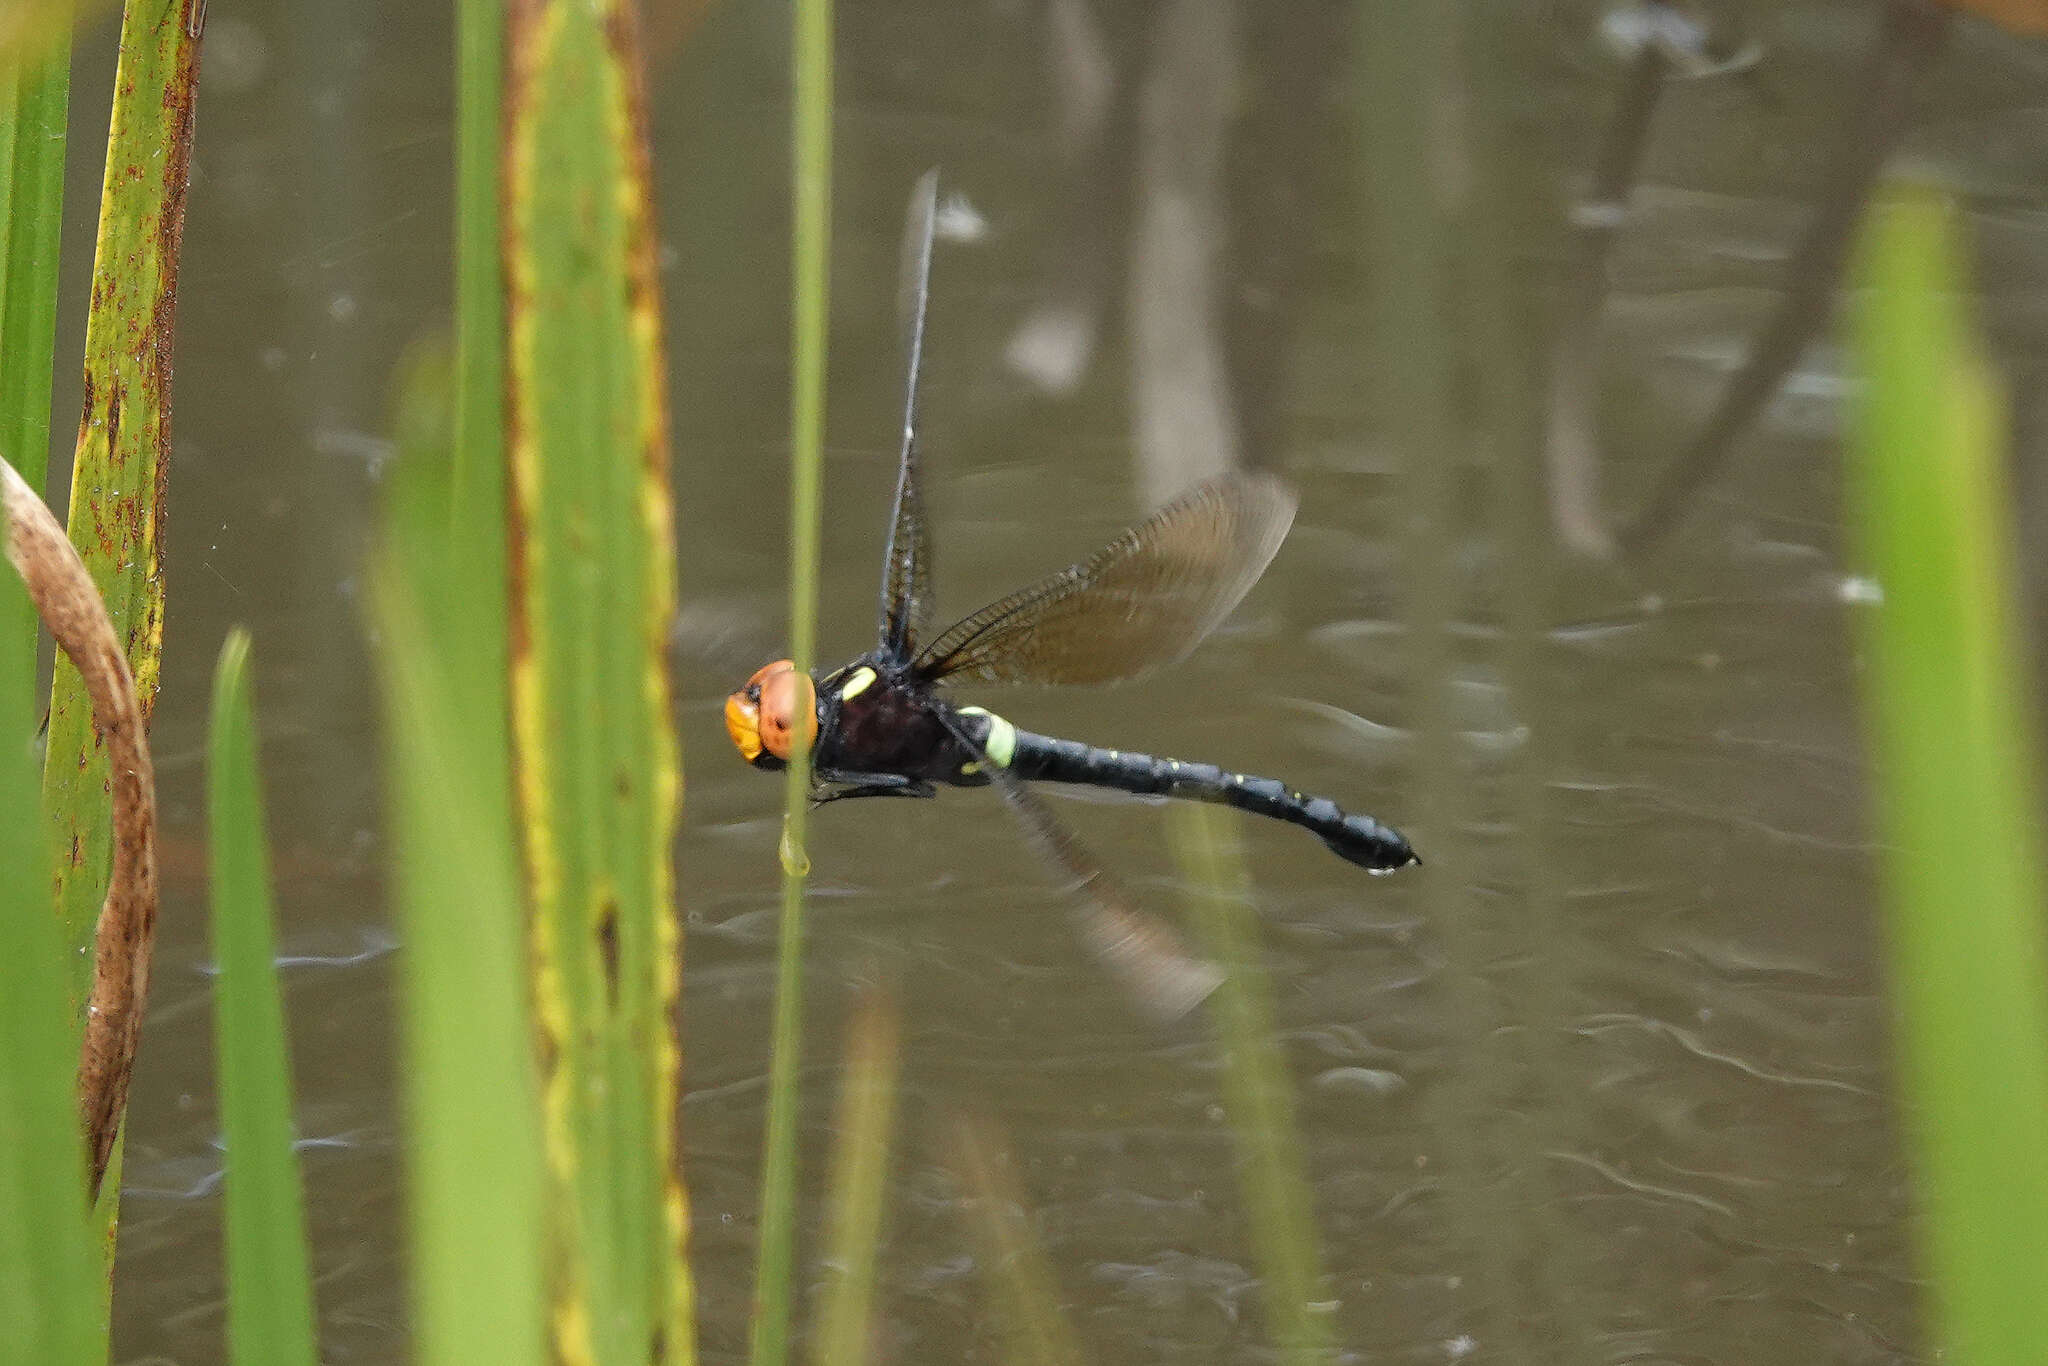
[1607, 1082]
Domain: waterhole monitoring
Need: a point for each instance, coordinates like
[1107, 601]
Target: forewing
[1145, 599]
[907, 560]
[1140, 950]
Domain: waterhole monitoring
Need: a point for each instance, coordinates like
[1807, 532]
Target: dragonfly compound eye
[743, 711]
[763, 717]
[789, 712]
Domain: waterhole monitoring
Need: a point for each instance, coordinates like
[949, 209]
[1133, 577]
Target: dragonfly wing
[907, 560]
[1145, 599]
[1140, 950]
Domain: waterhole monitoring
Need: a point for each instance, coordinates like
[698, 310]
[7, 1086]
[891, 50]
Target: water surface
[1608, 1081]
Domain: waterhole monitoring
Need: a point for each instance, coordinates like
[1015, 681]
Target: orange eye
[743, 724]
[789, 704]
[765, 715]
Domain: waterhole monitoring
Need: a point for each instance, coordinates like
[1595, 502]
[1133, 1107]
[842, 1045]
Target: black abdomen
[1355, 838]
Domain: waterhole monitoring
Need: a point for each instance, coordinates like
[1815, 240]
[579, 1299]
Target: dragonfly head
[765, 717]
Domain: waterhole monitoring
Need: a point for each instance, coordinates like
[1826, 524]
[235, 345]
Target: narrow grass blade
[51, 1296]
[1257, 1099]
[811, 172]
[34, 96]
[1952, 733]
[1035, 1332]
[270, 1294]
[478, 488]
[475, 1164]
[593, 564]
[35, 84]
[31, 29]
[120, 470]
[34, 105]
[860, 1172]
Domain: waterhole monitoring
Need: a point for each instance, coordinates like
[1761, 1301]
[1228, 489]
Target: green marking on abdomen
[1001, 744]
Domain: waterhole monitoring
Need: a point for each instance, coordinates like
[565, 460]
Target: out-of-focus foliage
[1952, 735]
[474, 1154]
[270, 1294]
[50, 1280]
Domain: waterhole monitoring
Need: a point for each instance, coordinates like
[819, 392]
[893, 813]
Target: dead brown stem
[71, 609]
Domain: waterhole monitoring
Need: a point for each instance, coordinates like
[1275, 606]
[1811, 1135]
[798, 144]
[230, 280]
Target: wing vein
[1147, 598]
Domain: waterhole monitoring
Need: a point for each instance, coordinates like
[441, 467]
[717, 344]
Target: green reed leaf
[1952, 732]
[34, 100]
[51, 1296]
[121, 467]
[475, 1165]
[270, 1294]
[592, 591]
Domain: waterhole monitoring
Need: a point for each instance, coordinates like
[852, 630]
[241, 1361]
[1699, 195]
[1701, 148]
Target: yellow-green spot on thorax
[857, 682]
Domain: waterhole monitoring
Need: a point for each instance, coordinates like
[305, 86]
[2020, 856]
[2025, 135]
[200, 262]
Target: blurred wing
[907, 560]
[1140, 950]
[1145, 599]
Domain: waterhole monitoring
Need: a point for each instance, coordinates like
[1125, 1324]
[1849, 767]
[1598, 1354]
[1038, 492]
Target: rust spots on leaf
[643, 294]
[121, 467]
[608, 948]
[572, 70]
[547, 1052]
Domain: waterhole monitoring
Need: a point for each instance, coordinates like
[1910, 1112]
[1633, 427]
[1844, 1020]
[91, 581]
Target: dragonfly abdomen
[1355, 838]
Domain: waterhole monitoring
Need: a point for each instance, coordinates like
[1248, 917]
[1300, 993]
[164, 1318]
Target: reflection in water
[1183, 405]
[1613, 1086]
[1884, 91]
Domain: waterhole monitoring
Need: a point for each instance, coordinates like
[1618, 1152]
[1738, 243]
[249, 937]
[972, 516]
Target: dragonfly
[883, 725]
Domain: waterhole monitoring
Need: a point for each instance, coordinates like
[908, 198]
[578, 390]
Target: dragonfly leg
[830, 785]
